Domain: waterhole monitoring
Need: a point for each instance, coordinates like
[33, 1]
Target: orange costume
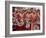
[32, 18]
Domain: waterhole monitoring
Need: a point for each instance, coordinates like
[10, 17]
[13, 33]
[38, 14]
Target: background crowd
[25, 18]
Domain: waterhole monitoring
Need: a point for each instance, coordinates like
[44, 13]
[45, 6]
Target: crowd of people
[24, 18]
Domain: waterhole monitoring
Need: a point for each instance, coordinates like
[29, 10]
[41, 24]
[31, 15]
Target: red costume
[19, 28]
